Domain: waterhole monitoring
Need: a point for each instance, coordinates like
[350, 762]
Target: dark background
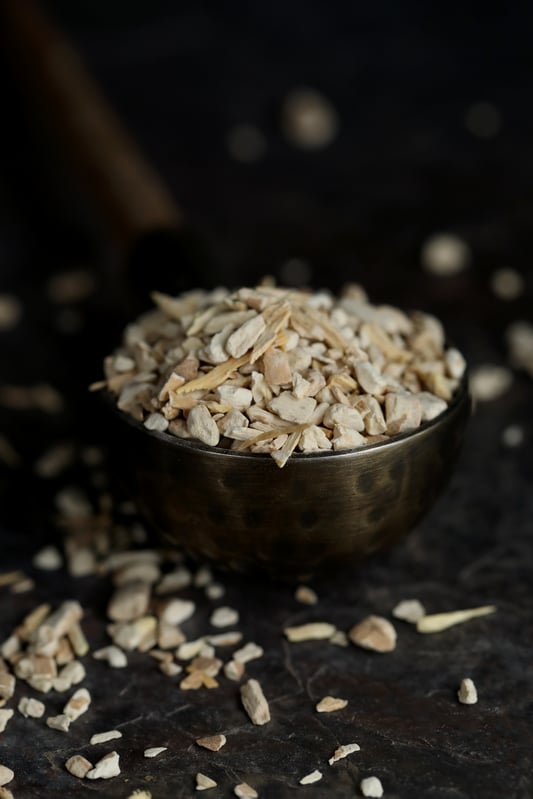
[404, 165]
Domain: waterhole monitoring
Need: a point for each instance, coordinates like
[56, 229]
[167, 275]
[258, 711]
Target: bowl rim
[461, 395]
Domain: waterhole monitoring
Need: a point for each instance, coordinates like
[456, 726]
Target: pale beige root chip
[214, 378]
[245, 791]
[224, 617]
[436, 622]
[77, 704]
[467, 693]
[155, 751]
[207, 665]
[48, 559]
[129, 635]
[330, 703]
[338, 414]
[234, 670]
[314, 776]
[343, 751]
[403, 412]
[282, 455]
[204, 783]
[202, 426]
[7, 685]
[255, 703]
[248, 652]
[103, 737]
[375, 633]
[78, 766]
[306, 595]
[77, 640]
[8, 578]
[105, 768]
[113, 655]
[489, 382]
[445, 254]
[31, 708]
[6, 775]
[5, 715]
[410, 610]
[176, 611]
[212, 742]
[314, 631]
[372, 787]
[61, 722]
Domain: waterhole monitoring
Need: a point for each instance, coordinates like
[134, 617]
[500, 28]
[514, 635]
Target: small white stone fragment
[292, 409]
[375, 633]
[6, 775]
[431, 405]
[467, 693]
[306, 595]
[203, 783]
[445, 254]
[103, 737]
[371, 786]
[48, 559]
[314, 776]
[436, 622]
[346, 438]
[114, 656]
[330, 703]
[410, 610]
[507, 284]
[154, 751]
[342, 752]
[31, 708]
[403, 412]
[212, 742]
[245, 791]
[106, 768]
[224, 617]
[248, 652]
[5, 715]
[489, 382]
[78, 766]
[61, 722]
[255, 703]
[314, 631]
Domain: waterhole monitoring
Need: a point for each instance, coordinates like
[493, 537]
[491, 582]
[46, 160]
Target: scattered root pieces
[436, 622]
[31, 708]
[203, 783]
[7, 685]
[78, 766]
[315, 631]
[6, 775]
[245, 791]
[61, 722]
[106, 768]
[5, 715]
[305, 595]
[342, 752]
[467, 693]
[212, 742]
[224, 617]
[375, 633]
[103, 737]
[371, 786]
[254, 702]
[248, 652]
[113, 655]
[314, 776]
[330, 703]
[77, 704]
[155, 751]
[48, 559]
[410, 610]
[234, 670]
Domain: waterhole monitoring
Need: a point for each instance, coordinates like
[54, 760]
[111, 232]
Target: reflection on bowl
[321, 511]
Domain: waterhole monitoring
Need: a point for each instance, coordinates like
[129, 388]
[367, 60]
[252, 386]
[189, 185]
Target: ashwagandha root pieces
[467, 693]
[255, 703]
[374, 633]
[330, 703]
[327, 373]
[437, 622]
[314, 631]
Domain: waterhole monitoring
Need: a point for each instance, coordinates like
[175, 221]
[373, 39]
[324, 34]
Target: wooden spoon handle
[126, 189]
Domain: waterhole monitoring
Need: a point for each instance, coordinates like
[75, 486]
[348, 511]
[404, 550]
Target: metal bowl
[321, 511]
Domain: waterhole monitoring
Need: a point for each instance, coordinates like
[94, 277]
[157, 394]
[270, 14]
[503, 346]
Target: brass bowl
[320, 512]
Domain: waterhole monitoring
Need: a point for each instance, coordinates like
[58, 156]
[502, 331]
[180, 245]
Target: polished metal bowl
[321, 511]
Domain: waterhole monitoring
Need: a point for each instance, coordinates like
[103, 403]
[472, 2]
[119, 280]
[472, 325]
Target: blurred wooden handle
[126, 189]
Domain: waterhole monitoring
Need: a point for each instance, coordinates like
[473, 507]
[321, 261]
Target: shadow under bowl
[322, 511]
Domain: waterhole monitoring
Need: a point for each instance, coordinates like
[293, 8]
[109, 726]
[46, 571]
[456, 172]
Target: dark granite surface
[402, 167]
